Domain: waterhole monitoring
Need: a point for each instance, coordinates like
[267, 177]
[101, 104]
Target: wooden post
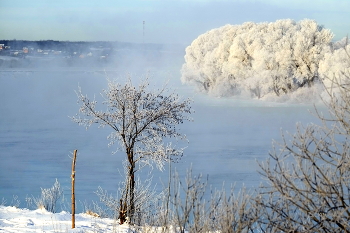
[73, 188]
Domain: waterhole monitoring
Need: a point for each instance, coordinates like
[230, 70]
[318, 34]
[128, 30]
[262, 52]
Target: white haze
[226, 138]
[37, 137]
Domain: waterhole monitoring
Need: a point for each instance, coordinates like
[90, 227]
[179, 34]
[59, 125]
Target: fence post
[73, 188]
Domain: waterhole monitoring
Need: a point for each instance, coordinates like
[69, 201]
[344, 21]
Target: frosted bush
[15, 202]
[48, 198]
[3, 202]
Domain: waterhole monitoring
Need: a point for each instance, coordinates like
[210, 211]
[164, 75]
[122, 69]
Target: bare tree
[142, 121]
[308, 187]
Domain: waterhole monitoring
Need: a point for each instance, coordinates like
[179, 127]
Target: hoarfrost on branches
[257, 58]
[142, 121]
[335, 68]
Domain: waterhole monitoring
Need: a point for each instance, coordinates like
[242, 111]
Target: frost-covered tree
[258, 58]
[336, 67]
[143, 122]
[308, 187]
[341, 43]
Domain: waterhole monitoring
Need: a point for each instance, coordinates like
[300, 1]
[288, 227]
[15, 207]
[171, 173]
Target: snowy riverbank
[17, 220]
[13, 219]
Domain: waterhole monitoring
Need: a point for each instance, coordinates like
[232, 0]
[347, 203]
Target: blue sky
[166, 21]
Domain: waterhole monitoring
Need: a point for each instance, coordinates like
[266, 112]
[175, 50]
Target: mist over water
[37, 137]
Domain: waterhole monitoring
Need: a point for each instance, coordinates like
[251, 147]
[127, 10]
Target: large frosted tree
[142, 121]
[258, 58]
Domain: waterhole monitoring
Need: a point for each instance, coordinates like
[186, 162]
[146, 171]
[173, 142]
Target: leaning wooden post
[73, 188]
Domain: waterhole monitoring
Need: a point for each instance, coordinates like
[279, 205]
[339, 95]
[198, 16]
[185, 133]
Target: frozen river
[37, 137]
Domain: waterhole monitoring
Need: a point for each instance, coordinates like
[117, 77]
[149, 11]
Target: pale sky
[166, 21]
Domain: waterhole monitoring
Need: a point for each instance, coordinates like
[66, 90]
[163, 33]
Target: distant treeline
[54, 53]
[66, 45]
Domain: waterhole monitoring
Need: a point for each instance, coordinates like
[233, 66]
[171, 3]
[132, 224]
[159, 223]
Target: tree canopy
[257, 58]
[143, 122]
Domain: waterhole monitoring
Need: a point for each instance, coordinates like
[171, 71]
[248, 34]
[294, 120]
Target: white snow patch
[13, 219]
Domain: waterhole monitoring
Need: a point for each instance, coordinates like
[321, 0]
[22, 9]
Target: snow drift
[258, 59]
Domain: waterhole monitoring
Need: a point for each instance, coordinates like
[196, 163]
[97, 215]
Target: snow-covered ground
[13, 219]
[17, 220]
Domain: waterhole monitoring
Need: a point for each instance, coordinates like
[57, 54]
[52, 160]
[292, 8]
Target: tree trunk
[122, 212]
[132, 191]
[275, 86]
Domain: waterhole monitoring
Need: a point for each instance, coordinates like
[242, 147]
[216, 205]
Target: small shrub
[48, 198]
